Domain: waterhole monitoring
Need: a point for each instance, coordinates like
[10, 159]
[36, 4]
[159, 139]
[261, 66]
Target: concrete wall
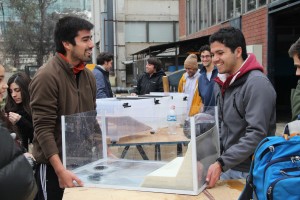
[152, 10]
[137, 10]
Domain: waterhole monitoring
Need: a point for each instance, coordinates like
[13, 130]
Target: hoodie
[247, 112]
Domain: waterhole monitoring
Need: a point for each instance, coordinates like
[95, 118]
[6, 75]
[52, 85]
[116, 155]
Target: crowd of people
[230, 78]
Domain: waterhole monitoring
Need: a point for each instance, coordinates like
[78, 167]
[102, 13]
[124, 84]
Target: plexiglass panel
[134, 149]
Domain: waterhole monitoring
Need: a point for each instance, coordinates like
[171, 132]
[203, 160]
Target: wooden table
[161, 137]
[224, 190]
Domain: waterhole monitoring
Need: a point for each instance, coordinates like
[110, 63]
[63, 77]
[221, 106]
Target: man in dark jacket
[246, 101]
[101, 73]
[151, 80]
[294, 53]
[63, 86]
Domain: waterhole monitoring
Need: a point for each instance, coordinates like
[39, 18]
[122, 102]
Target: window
[161, 32]
[251, 5]
[229, 9]
[214, 11]
[151, 31]
[135, 32]
[238, 8]
[204, 13]
[262, 2]
[192, 16]
[220, 11]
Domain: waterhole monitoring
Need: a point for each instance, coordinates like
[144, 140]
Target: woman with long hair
[17, 107]
[16, 176]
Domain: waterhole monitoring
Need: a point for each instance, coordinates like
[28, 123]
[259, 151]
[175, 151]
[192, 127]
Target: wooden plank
[166, 85]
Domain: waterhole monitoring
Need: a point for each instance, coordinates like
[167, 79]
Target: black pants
[53, 191]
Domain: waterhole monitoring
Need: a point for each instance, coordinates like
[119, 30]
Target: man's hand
[213, 174]
[67, 179]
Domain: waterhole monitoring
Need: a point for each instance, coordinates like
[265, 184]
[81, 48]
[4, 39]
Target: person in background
[241, 96]
[16, 175]
[101, 73]
[17, 107]
[206, 79]
[188, 84]
[294, 52]
[62, 86]
[151, 80]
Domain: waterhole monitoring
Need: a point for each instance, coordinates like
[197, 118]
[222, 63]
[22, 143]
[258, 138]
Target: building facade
[269, 26]
[127, 26]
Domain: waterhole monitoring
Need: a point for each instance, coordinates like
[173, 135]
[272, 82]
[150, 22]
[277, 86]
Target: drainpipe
[115, 39]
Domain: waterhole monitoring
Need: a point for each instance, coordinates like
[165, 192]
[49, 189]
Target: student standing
[151, 80]
[63, 86]
[17, 107]
[246, 101]
[207, 75]
[188, 84]
[101, 73]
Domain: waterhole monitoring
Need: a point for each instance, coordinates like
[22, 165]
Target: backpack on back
[275, 169]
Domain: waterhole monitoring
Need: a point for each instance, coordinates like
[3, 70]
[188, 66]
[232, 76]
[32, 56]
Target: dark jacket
[247, 111]
[16, 175]
[147, 83]
[206, 87]
[102, 82]
[25, 127]
[56, 91]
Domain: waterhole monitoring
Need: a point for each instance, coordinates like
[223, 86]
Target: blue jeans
[233, 174]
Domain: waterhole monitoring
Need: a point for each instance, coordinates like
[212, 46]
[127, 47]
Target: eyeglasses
[207, 56]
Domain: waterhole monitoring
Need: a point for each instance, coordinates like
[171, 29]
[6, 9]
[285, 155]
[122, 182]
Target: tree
[31, 31]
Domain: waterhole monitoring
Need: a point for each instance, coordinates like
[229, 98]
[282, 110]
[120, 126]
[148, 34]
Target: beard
[85, 57]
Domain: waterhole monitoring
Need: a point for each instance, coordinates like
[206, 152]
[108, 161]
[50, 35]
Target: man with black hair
[246, 101]
[151, 80]
[101, 73]
[63, 86]
[294, 52]
[206, 79]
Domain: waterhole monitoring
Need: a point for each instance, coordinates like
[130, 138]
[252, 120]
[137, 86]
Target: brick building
[269, 26]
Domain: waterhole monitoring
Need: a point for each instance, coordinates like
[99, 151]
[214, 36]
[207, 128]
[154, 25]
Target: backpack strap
[248, 190]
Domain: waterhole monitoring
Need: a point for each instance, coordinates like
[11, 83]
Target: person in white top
[188, 84]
